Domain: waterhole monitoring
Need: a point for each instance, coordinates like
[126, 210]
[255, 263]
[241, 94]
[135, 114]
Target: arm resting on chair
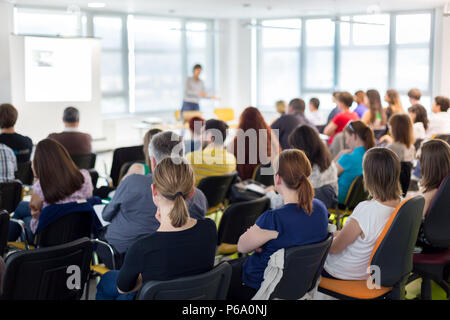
[254, 238]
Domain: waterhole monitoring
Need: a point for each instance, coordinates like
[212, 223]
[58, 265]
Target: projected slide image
[58, 69]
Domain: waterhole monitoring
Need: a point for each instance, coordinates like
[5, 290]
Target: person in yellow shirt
[213, 160]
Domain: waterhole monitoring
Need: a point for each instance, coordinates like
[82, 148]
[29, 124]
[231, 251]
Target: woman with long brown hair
[57, 180]
[394, 104]
[401, 139]
[254, 143]
[375, 117]
[302, 220]
[180, 247]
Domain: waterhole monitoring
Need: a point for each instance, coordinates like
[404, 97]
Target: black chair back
[24, 173]
[238, 217]
[265, 179]
[356, 193]
[94, 177]
[379, 133]
[302, 268]
[10, 195]
[47, 273]
[405, 176]
[211, 285]
[84, 161]
[4, 227]
[123, 155]
[68, 228]
[436, 225]
[216, 188]
[393, 251]
[418, 143]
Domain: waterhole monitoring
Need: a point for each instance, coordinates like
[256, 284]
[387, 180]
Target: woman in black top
[181, 246]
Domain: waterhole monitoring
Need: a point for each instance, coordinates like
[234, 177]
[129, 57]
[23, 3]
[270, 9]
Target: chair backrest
[48, 273]
[265, 179]
[10, 195]
[123, 155]
[393, 250]
[94, 177]
[356, 193]
[67, 228]
[84, 161]
[405, 176]
[238, 217]
[436, 225]
[302, 268]
[24, 173]
[224, 114]
[378, 133]
[211, 285]
[4, 227]
[418, 143]
[216, 188]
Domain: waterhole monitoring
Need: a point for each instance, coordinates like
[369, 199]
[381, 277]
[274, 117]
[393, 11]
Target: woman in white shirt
[351, 249]
[418, 115]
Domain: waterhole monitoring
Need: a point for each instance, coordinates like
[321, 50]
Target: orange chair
[392, 253]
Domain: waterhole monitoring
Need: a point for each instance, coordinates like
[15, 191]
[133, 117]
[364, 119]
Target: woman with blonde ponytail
[180, 247]
[301, 220]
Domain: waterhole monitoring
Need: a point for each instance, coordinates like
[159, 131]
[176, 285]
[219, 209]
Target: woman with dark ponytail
[182, 246]
[360, 138]
[302, 220]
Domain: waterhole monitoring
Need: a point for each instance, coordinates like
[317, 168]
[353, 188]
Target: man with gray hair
[74, 141]
[131, 212]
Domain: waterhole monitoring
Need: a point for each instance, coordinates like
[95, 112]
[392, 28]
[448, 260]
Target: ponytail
[305, 195]
[179, 214]
[368, 138]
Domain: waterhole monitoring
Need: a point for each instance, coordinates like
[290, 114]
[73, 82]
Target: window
[279, 64]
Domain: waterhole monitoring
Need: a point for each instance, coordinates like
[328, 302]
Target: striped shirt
[8, 163]
[211, 161]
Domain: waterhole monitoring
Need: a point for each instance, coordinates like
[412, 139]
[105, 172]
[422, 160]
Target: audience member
[214, 159]
[280, 106]
[254, 143]
[359, 138]
[315, 116]
[58, 180]
[302, 220]
[401, 140]
[195, 127]
[418, 115]
[335, 110]
[21, 145]
[74, 141]
[132, 210]
[344, 101]
[288, 122]
[361, 100]
[440, 118]
[8, 163]
[375, 117]
[414, 96]
[394, 103]
[180, 247]
[352, 247]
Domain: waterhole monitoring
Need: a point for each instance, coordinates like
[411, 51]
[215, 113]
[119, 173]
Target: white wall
[6, 28]
[443, 69]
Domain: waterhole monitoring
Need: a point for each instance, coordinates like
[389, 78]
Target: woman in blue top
[360, 138]
[302, 220]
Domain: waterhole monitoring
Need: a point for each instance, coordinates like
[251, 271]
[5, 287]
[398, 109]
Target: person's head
[401, 128]
[165, 144]
[8, 116]
[292, 172]
[314, 104]
[71, 117]
[418, 113]
[375, 107]
[173, 183]
[381, 172]
[307, 139]
[334, 96]
[434, 163]
[280, 105]
[360, 97]
[215, 131]
[147, 137]
[57, 173]
[196, 70]
[357, 134]
[440, 104]
[344, 100]
[251, 118]
[296, 105]
[393, 99]
[414, 96]
[195, 125]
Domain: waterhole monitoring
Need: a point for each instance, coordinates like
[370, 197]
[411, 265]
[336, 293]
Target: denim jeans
[23, 213]
[107, 288]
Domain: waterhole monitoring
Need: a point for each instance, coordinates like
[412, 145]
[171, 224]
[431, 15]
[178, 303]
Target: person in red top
[344, 102]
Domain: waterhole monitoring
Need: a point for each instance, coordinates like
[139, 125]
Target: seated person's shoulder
[319, 206]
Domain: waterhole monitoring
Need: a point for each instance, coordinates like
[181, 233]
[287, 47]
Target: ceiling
[243, 8]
